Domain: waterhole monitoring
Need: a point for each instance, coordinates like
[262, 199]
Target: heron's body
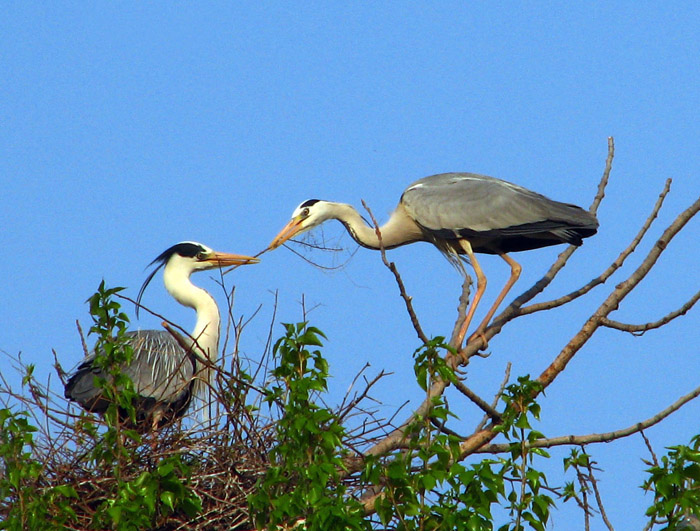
[495, 216]
[460, 213]
[164, 374]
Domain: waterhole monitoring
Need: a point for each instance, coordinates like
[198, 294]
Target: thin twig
[606, 177]
[494, 415]
[461, 309]
[597, 437]
[651, 450]
[640, 329]
[605, 275]
[82, 339]
[392, 267]
[598, 499]
[497, 396]
[359, 398]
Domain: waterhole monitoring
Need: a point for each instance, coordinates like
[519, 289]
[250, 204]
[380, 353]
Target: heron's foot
[484, 342]
[460, 372]
[455, 361]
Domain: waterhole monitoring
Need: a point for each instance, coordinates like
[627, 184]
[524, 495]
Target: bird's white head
[307, 215]
[184, 258]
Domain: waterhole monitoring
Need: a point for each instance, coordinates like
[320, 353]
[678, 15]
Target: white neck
[206, 330]
[398, 230]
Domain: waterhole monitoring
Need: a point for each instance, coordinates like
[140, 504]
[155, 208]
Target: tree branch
[613, 301]
[605, 178]
[596, 492]
[639, 330]
[497, 397]
[617, 264]
[471, 395]
[461, 310]
[579, 440]
[392, 267]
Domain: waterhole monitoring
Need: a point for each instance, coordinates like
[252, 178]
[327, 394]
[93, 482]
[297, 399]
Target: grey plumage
[161, 370]
[166, 376]
[495, 216]
[461, 214]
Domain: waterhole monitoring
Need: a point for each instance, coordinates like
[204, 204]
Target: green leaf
[168, 499]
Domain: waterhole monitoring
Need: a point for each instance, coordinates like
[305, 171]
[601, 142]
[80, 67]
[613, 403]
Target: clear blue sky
[127, 127]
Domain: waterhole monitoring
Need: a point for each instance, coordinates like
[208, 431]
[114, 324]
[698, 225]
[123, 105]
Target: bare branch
[604, 179]
[639, 330]
[352, 405]
[617, 264]
[597, 437]
[598, 499]
[497, 396]
[471, 395]
[613, 301]
[651, 450]
[461, 309]
[444, 429]
[392, 267]
[315, 264]
[395, 438]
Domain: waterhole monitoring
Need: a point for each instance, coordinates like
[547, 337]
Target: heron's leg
[480, 288]
[515, 269]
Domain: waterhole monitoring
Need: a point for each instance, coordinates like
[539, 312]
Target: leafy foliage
[291, 469]
[426, 484]
[676, 485]
[26, 501]
[133, 496]
[133, 501]
[527, 499]
[302, 486]
[112, 351]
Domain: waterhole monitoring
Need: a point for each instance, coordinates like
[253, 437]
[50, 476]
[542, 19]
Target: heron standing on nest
[165, 375]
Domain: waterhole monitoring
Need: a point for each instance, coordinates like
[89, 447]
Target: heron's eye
[305, 212]
[201, 255]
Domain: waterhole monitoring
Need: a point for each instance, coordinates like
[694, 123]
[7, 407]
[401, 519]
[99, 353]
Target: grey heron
[165, 376]
[461, 214]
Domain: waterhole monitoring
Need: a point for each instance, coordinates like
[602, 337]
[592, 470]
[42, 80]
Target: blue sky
[127, 127]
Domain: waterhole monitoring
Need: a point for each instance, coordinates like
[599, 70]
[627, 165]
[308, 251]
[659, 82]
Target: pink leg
[515, 269]
[480, 288]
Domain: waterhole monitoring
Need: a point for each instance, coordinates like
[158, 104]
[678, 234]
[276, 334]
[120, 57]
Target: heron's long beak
[226, 259]
[290, 229]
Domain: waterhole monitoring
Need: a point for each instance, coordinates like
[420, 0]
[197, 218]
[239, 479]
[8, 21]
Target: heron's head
[306, 216]
[185, 258]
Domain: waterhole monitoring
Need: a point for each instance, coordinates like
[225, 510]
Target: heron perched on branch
[166, 375]
[461, 214]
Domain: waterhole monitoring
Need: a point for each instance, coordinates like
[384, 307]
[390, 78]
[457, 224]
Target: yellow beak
[226, 259]
[290, 229]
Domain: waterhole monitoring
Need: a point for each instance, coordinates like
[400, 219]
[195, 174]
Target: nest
[225, 455]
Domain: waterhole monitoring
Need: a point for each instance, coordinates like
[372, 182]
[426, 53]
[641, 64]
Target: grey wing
[160, 369]
[466, 204]
[480, 203]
